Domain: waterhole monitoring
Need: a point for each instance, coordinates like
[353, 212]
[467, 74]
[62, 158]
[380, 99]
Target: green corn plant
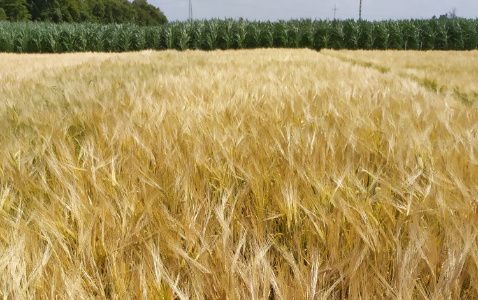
[241, 33]
[293, 33]
[183, 39]
[138, 38]
[197, 33]
[322, 35]
[212, 34]
[79, 41]
[66, 39]
[441, 34]
[254, 35]
[411, 34]
[337, 35]
[160, 34]
[306, 33]
[169, 36]
[351, 34]
[455, 36]
[469, 35]
[111, 38]
[267, 33]
[22, 38]
[125, 36]
[227, 33]
[36, 43]
[184, 36]
[99, 35]
[151, 35]
[380, 34]
[280, 34]
[6, 37]
[366, 37]
[395, 35]
[475, 22]
[18, 34]
[93, 36]
[427, 36]
[441, 37]
[53, 40]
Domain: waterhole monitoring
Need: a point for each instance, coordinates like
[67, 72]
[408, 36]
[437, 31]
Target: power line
[360, 11]
[190, 10]
[335, 9]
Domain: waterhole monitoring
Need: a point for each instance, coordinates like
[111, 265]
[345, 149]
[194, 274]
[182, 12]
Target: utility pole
[190, 10]
[335, 10]
[360, 11]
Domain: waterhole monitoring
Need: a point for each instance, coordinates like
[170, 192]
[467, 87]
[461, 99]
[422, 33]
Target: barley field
[252, 174]
[447, 72]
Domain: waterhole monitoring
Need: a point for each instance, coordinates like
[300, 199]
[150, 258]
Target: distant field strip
[454, 73]
[215, 34]
[252, 174]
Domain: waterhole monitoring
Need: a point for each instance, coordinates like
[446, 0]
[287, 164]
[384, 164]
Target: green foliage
[395, 35]
[138, 12]
[267, 32]
[292, 34]
[227, 33]
[351, 35]
[322, 35]
[146, 14]
[455, 34]
[380, 36]
[337, 35]
[470, 34]
[427, 35]
[241, 33]
[280, 35]
[254, 35]
[212, 34]
[16, 10]
[3, 15]
[306, 33]
[441, 35]
[411, 32]
[366, 37]
[436, 34]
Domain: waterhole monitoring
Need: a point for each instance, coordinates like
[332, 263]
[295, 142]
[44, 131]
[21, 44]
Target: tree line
[138, 12]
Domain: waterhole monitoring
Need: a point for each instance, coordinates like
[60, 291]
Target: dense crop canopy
[251, 174]
[448, 34]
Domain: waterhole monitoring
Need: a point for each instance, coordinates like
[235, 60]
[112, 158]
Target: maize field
[448, 34]
[247, 174]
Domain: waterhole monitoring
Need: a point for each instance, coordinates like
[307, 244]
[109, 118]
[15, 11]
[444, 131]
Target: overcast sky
[316, 9]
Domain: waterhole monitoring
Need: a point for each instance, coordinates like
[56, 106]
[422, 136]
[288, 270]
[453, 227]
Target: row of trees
[138, 12]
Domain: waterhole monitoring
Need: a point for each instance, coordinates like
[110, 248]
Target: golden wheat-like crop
[284, 174]
[450, 72]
